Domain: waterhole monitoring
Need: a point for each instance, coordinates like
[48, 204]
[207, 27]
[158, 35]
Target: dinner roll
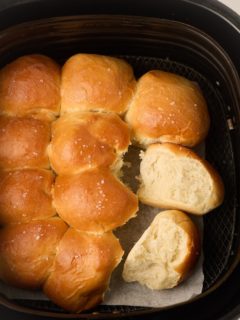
[25, 195]
[175, 177]
[168, 108]
[94, 82]
[94, 201]
[165, 253]
[23, 143]
[27, 251]
[30, 85]
[87, 140]
[82, 269]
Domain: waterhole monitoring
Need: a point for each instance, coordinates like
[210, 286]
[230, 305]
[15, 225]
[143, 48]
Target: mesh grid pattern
[219, 226]
[44, 305]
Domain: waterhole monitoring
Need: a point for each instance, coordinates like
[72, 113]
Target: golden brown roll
[30, 85]
[82, 269]
[85, 146]
[94, 201]
[87, 140]
[25, 195]
[168, 108]
[28, 250]
[23, 143]
[94, 82]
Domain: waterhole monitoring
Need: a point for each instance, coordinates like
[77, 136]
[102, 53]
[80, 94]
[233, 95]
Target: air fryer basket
[149, 43]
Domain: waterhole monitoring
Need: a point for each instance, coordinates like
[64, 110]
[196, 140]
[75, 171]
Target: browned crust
[87, 140]
[82, 269]
[25, 195]
[94, 201]
[23, 143]
[29, 97]
[168, 108]
[28, 250]
[94, 82]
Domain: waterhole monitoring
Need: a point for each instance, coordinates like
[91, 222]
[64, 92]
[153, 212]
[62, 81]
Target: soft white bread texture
[168, 108]
[82, 269]
[87, 140]
[166, 252]
[174, 177]
[96, 83]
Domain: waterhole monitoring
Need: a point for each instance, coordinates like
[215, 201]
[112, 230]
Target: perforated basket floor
[219, 226]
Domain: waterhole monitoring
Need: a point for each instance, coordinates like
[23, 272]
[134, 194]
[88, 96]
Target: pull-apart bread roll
[28, 250]
[82, 269]
[175, 177]
[166, 252]
[96, 83]
[25, 195]
[94, 201]
[30, 85]
[23, 142]
[87, 140]
[168, 108]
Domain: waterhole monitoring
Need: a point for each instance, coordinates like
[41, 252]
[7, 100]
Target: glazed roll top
[29, 100]
[88, 143]
[168, 108]
[82, 269]
[62, 144]
[94, 201]
[30, 86]
[85, 148]
[23, 143]
[96, 83]
[28, 250]
[25, 195]
[81, 141]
